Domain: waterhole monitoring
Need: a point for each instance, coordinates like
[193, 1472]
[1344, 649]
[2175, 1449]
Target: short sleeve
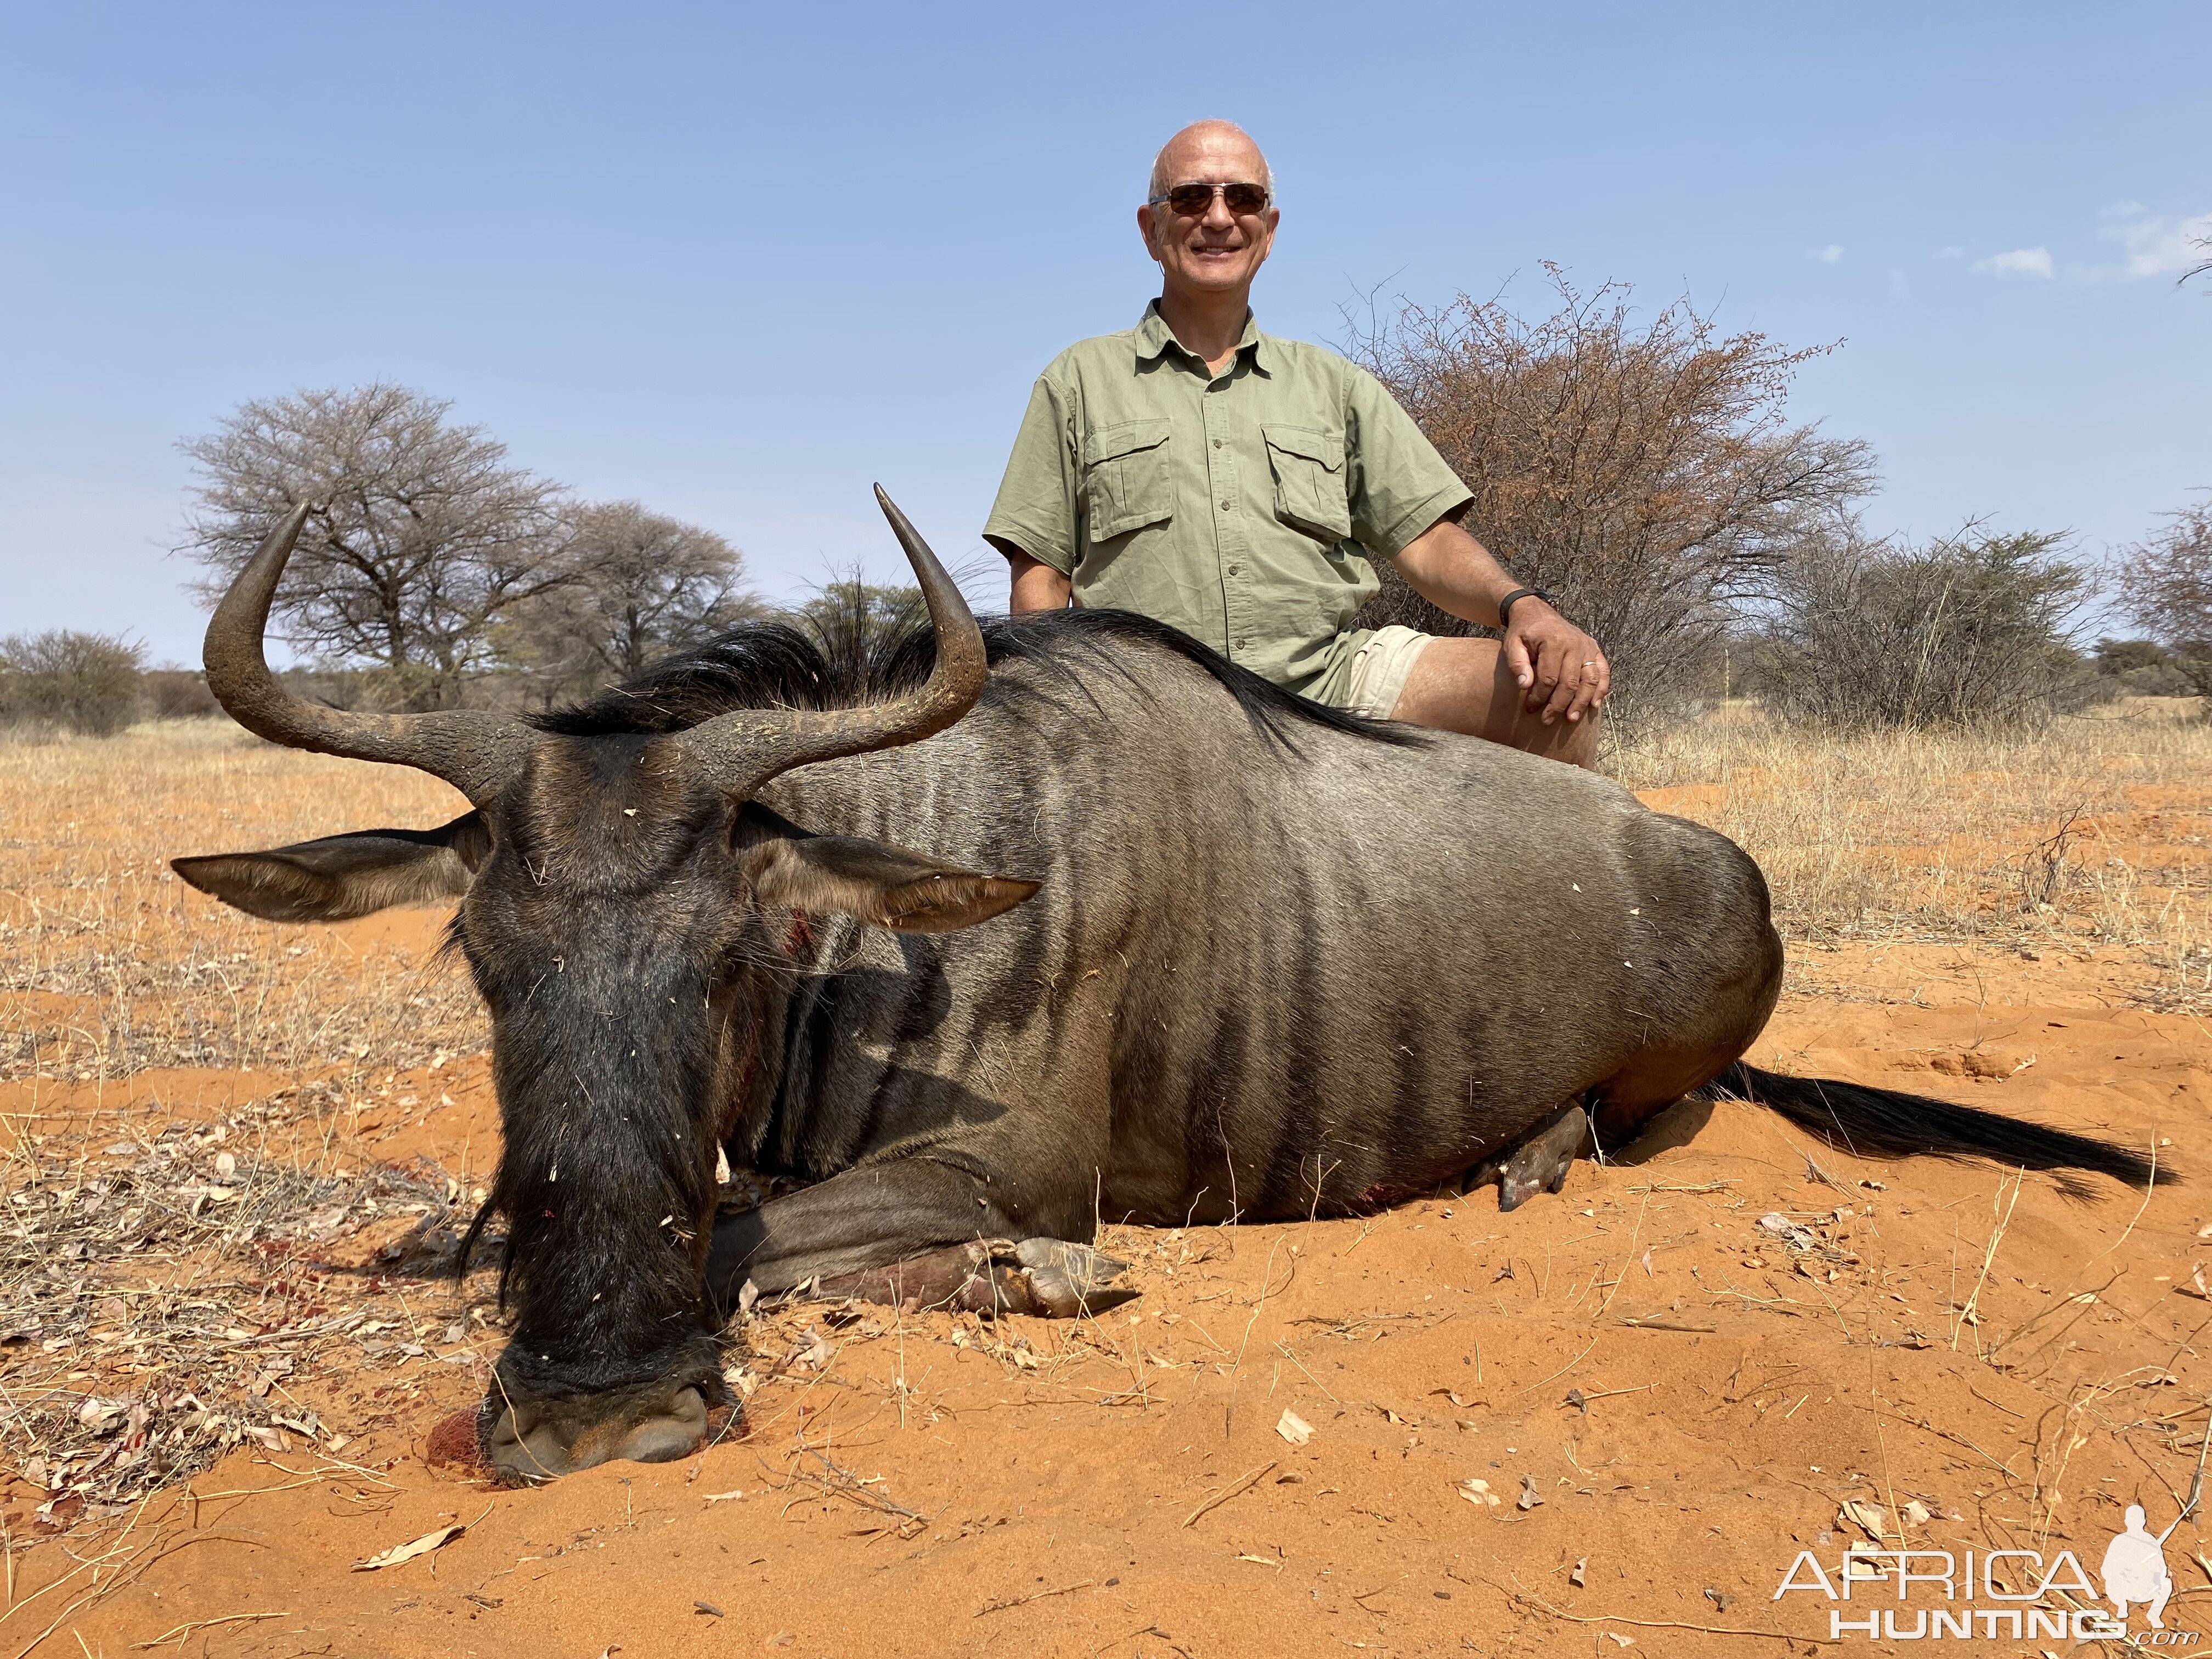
[1035, 511]
[1398, 487]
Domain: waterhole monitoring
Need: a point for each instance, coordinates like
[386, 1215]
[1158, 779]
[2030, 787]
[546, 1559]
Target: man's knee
[1574, 742]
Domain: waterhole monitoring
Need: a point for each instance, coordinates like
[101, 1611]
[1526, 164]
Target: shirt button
[1216, 443]
[1225, 507]
[1236, 569]
[1240, 645]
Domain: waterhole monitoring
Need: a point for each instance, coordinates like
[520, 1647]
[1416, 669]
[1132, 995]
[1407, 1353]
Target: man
[1235, 485]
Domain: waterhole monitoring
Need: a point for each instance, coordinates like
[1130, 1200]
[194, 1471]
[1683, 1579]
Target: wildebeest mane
[778, 665]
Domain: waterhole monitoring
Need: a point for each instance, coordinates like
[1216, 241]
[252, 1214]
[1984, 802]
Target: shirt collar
[1154, 336]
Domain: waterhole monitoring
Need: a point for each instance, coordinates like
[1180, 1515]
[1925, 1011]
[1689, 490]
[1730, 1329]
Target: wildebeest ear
[340, 877]
[886, 885]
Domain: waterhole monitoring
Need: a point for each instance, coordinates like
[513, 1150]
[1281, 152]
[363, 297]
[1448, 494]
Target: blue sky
[739, 261]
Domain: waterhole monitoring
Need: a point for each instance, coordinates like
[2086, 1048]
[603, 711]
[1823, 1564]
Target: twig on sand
[183, 1630]
[1310, 1377]
[1228, 1407]
[1559, 1373]
[1988, 1257]
[1039, 1596]
[843, 1483]
[2149, 1187]
[1634, 1232]
[1539, 1602]
[1225, 1494]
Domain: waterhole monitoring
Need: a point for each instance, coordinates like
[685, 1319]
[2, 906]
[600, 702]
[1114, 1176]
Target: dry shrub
[2166, 589]
[1646, 475]
[89, 684]
[180, 694]
[1965, 629]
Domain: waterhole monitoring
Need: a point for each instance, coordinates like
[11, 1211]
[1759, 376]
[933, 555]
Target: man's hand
[1560, 669]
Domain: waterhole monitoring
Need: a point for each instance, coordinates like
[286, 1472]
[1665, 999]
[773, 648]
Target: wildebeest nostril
[676, 1433]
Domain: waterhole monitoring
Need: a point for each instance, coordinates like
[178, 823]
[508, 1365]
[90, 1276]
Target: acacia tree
[1646, 477]
[1865, 632]
[644, 584]
[2165, 589]
[420, 540]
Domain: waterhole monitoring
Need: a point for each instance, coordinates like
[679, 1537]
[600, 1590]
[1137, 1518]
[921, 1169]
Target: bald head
[1201, 151]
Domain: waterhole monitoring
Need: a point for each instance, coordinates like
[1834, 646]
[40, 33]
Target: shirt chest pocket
[1309, 481]
[1126, 484]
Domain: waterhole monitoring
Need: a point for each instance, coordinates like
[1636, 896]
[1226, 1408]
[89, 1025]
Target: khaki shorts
[1379, 668]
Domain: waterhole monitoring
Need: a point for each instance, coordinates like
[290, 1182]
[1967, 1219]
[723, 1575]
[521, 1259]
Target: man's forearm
[1456, 573]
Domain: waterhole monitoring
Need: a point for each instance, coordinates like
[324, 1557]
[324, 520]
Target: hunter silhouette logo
[2134, 1568]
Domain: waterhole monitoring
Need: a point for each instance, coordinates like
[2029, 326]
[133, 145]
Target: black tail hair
[1862, 1121]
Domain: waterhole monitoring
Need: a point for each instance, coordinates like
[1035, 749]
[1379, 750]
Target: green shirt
[1241, 507]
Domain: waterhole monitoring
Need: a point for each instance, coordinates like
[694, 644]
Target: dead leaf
[1913, 1512]
[1871, 1519]
[1529, 1499]
[413, 1548]
[1294, 1428]
[1720, 1598]
[1575, 1577]
[1575, 1398]
[1477, 1493]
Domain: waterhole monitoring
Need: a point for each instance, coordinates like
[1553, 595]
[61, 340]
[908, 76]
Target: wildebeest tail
[1888, 1122]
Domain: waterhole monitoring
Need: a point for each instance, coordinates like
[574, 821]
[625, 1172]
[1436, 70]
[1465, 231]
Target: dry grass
[157, 1299]
[109, 964]
[2093, 832]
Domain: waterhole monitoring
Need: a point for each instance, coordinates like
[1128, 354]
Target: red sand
[1044, 1489]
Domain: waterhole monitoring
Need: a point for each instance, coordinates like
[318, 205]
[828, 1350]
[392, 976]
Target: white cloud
[1830, 255]
[2019, 262]
[2156, 243]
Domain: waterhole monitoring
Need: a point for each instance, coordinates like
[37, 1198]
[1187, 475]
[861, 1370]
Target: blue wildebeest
[1000, 932]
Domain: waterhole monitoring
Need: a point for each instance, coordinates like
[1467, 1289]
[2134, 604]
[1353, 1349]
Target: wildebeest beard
[603, 957]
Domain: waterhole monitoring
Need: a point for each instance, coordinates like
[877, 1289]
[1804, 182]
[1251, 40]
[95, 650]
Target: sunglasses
[1194, 201]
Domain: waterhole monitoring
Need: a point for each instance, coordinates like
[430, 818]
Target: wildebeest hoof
[1538, 1163]
[1067, 1279]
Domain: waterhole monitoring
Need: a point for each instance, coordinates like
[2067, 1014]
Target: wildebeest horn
[745, 749]
[473, 751]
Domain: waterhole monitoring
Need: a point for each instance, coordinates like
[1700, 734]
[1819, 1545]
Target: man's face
[1217, 252]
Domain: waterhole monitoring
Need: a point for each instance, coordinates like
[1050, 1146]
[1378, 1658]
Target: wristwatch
[1505, 605]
